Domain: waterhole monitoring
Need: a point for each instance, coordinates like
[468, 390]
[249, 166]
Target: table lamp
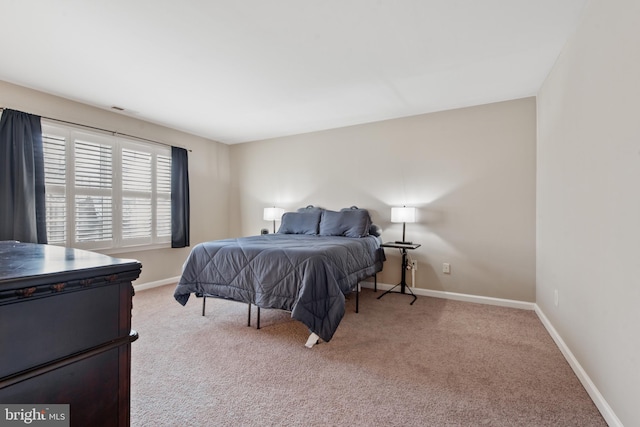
[403, 215]
[273, 214]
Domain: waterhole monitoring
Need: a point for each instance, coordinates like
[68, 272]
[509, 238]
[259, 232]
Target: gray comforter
[307, 275]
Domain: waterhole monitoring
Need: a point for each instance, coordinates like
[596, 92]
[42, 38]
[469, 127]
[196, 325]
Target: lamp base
[403, 243]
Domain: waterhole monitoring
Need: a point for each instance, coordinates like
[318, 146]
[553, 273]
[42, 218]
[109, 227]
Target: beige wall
[208, 171]
[588, 203]
[471, 173]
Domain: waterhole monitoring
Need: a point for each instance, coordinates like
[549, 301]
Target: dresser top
[30, 262]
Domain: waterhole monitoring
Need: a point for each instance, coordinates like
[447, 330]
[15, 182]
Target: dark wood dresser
[65, 331]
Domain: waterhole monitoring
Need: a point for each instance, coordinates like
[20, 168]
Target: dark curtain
[22, 192]
[179, 198]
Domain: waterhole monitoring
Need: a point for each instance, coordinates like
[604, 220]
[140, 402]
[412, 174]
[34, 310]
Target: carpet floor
[434, 363]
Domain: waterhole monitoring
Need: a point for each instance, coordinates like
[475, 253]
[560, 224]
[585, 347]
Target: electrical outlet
[446, 268]
[556, 297]
[414, 264]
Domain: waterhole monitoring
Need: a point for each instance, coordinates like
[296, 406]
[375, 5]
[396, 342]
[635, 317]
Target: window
[105, 192]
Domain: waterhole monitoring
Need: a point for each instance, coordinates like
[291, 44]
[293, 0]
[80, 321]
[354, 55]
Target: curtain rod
[114, 133]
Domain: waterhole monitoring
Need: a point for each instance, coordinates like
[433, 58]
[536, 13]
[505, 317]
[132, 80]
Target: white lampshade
[403, 214]
[273, 214]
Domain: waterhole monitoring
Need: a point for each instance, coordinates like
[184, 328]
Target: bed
[316, 258]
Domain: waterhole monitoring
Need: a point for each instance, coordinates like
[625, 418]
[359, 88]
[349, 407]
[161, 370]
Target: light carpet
[434, 363]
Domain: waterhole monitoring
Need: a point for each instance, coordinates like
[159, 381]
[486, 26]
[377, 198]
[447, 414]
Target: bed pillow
[300, 222]
[347, 222]
[374, 230]
[310, 208]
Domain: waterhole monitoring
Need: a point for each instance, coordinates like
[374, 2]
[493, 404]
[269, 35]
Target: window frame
[117, 243]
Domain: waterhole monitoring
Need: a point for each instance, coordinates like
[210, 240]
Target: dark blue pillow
[300, 222]
[348, 222]
[310, 208]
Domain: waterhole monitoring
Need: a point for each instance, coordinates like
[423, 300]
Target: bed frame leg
[258, 327]
[249, 316]
[357, 297]
[204, 301]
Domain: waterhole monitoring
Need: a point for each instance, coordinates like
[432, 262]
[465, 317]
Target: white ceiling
[241, 70]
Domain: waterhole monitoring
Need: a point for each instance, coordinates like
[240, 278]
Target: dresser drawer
[35, 331]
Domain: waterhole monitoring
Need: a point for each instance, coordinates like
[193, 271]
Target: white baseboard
[157, 283]
[459, 297]
[602, 405]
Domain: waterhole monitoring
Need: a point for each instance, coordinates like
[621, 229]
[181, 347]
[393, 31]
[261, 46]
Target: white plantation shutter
[93, 192]
[94, 219]
[55, 182]
[163, 190]
[105, 192]
[136, 194]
